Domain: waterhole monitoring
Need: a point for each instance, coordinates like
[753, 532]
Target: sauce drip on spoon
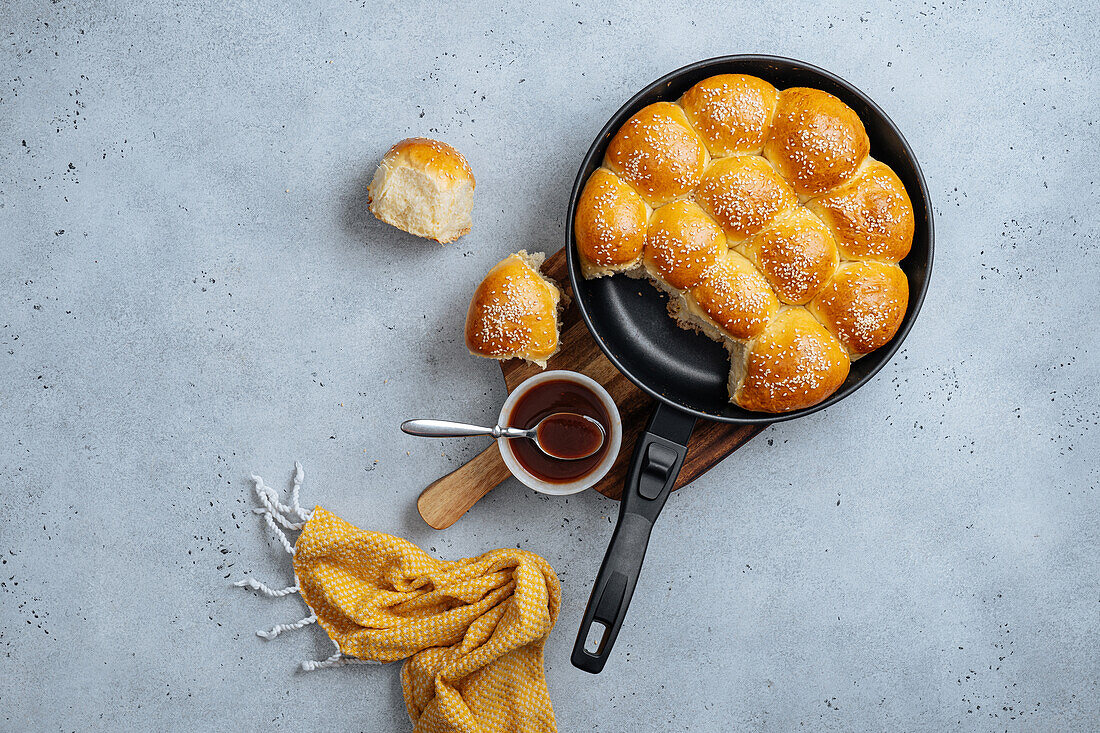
[569, 436]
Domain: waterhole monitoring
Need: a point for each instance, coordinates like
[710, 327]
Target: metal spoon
[448, 429]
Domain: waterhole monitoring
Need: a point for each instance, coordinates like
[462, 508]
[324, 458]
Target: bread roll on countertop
[424, 187]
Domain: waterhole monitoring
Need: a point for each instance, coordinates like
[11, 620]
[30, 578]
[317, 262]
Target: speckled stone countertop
[192, 290]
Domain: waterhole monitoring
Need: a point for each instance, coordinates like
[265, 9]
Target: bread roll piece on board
[796, 253]
[514, 312]
[863, 305]
[817, 142]
[424, 187]
[743, 193]
[682, 243]
[731, 112]
[870, 216]
[610, 226]
[793, 364]
[657, 153]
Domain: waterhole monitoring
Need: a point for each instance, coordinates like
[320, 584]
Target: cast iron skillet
[686, 372]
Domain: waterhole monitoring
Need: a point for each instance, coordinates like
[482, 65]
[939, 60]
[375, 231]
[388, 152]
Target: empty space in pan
[628, 317]
[689, 365]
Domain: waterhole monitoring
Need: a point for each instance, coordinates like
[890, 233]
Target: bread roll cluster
[762, 215]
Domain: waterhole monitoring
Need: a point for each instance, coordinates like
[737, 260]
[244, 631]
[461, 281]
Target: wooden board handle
[448, 498]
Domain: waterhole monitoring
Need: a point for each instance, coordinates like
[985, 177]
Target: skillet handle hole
[594, 641]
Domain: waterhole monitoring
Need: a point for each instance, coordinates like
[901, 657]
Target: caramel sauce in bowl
[553, 392]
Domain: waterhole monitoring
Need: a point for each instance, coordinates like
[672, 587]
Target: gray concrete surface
[192, 290]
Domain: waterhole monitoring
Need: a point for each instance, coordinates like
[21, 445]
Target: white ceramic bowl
[614, 437]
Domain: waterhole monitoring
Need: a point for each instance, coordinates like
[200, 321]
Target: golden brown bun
[796, 253]
[744, 194]
[657, 153]
[816, 142]
[731, 112]
[735, 295]
[793, 364]
[871, 215]
[424, 187]
[610, 225]
[863, 304]
[681, 244]
[514, 312]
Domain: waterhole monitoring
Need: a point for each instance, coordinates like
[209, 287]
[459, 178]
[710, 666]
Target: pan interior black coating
[628, 317]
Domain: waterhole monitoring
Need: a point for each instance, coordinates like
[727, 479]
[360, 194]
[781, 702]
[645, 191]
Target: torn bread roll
[732, 300]
[424, 187]
[514, 312]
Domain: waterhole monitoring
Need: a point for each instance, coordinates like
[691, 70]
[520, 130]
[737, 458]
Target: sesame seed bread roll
[610, 225]
[681, 244]
[743, 193]
[870, 216]
[731, 112]
[794, 363]
[796, 254]
[424, 187]
[863, 305]
[817, 142]
[657, 153]
[514, 312]
[734, 296]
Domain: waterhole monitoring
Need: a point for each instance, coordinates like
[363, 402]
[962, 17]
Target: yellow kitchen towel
[472, 631]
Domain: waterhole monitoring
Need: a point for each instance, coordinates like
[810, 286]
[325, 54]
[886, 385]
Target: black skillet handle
[657, 459]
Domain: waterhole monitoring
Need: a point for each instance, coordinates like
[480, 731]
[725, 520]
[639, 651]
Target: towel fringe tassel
[280, 628]
[293, 517]
[254, 584]
[339, 659]
[276, 514]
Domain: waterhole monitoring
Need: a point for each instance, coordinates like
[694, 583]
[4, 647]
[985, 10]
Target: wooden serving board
[447, 499]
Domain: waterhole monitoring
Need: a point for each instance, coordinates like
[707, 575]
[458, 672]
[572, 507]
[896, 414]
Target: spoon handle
[449, 429]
